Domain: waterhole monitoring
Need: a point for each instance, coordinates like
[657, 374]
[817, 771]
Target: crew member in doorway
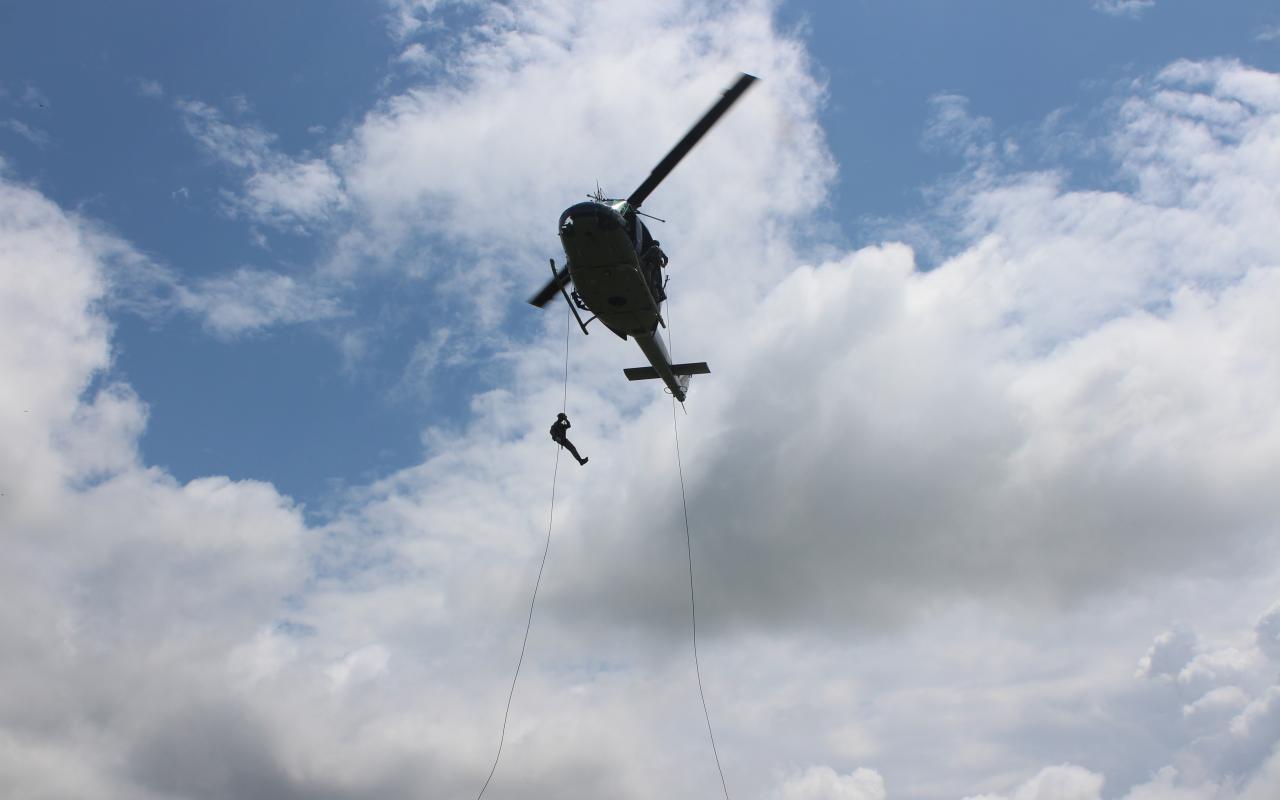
[557, 435]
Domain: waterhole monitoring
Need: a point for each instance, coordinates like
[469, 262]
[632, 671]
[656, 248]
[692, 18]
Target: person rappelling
[558, 429]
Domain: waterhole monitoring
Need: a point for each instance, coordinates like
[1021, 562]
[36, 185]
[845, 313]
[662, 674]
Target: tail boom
[675, 376]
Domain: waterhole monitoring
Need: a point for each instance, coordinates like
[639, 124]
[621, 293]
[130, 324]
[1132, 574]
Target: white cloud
[824, 783]
[1089, 377]
[241, 302]
[1013, 469]
[1267, 633]
[521, 126]
[36, 136]
[417, 57]
[1065, 782]
[1124, 8]
[438, 350]
[952, 129]
[1076, 403]
[277, 190]
[121, 585]
[1168, 654]
[408, 17]
[246, 146]
[359, 666]
[1226, 740]
[1223, 701]
[249, 300]
[289, 191]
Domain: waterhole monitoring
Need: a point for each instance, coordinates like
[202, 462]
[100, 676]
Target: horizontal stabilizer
[699, 368]
[640, 373]
[649, 373]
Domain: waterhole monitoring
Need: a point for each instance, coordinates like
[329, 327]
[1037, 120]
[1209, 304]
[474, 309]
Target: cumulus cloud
[1064, 782]
[1168, 654]
[928, 507]
[1225, 741]
[440, 158]
[824, 783]
[1230, 729]
[1081, 398]
[122, 586]
[195, 592]
[1268, 633]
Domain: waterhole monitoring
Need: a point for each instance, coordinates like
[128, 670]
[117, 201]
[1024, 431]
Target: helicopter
[615, 265]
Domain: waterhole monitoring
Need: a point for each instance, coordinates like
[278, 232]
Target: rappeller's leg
[568, 445]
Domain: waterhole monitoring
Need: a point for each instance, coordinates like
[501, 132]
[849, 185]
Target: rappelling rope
[555, 472]
[688, 540]
[693, 606]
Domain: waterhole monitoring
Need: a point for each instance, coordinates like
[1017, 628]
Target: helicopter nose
[596, 215]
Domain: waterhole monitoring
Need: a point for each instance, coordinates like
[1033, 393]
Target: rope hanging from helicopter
[564, 408]
[688, 540]
[601, 220]
[693, 607]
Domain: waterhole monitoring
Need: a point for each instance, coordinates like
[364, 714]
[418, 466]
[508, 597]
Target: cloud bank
[939, 516]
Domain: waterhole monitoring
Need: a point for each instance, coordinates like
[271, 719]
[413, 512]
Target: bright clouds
[1073, 402]
[938, 516]
[249, 300]
[277, 190]
[123, 589]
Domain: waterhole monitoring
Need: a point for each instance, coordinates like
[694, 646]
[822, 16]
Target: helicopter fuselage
[616, 266]
[602, 251]
[605, 269]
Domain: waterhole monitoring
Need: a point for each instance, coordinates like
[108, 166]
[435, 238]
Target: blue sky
[123, 156]
[306, 73]
[1015, 62]
[981, 484]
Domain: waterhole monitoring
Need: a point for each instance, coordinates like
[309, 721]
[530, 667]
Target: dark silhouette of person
[652, 259]
[557, 435]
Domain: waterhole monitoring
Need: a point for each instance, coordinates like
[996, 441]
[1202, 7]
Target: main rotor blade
[546, 293]
[691, 138]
